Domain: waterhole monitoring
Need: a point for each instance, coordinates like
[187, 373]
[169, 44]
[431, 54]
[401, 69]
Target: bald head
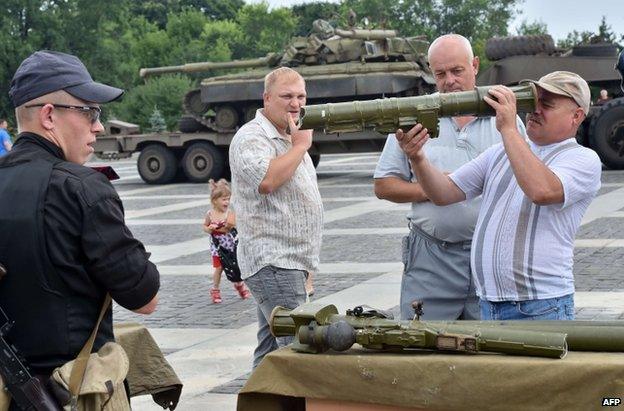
[451, 40]
[453, 63]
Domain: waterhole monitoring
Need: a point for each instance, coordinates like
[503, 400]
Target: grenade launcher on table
[318, 328]
[386, 115]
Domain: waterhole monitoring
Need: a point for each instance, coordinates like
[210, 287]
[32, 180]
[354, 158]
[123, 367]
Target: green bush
[165, 92]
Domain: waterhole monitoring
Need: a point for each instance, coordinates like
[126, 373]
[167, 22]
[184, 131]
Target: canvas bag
[95, 381]
[228, 259]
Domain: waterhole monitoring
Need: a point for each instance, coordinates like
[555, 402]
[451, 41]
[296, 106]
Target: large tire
[203, 161]
[606, 134]
[187, 124]
[498, 48]
[595, 50]
[157, 164]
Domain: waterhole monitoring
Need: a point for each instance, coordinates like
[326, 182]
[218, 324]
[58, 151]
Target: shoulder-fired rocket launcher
[386, 115]
[318, 328]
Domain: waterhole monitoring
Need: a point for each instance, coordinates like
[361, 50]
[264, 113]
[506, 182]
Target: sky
[560, 16]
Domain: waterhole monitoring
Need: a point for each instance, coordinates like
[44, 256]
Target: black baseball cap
[47, 71]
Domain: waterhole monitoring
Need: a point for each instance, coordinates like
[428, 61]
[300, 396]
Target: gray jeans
[438, 274]
[272, 286]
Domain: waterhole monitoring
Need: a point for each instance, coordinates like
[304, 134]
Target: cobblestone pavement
[210, 346]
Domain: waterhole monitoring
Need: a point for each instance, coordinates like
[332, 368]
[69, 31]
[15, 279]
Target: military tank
[337, 64]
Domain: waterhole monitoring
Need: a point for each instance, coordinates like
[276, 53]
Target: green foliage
[157, 121]
[533, 28]
[165, 92]
[265, 30]
[158, 11]
[308, 12]
[604, 34]
[474, 19]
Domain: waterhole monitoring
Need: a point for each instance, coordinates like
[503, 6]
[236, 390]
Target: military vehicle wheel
[498, 48]
[316, 159]
[606, 134]
[203, 161]
[226, 117]
[188, 124]
[250, 112]
[157, 164]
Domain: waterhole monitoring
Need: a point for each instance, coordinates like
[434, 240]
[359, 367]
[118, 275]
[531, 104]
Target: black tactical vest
[52, 323]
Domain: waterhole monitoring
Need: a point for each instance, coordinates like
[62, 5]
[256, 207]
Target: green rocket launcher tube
[318, 328]
[386, 115]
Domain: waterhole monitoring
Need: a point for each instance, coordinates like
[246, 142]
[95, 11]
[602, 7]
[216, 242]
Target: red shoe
[215, 293]
[242, 290]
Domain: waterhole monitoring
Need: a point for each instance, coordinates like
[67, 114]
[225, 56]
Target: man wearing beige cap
[535, 193]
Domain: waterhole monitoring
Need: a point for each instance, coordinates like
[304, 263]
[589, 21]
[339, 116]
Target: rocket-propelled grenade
[386, 115]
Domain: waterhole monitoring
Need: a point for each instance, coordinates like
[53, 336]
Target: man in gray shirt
[278, 206]
[436, 253]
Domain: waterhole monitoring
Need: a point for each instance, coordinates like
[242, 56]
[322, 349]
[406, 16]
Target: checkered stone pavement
[211, 345]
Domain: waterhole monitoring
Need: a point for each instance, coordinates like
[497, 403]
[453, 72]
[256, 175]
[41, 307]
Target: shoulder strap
[80, 364]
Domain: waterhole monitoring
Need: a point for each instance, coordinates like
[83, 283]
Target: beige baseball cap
[565, 83]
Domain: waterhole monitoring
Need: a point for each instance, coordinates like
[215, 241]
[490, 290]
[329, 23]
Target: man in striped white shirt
[278, 206]
[534, 196]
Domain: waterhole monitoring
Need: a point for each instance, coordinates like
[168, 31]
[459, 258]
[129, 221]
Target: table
[285, 380]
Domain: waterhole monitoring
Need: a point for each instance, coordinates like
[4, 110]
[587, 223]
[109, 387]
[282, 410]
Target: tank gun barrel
[268, 60]
[365, 34]
[388, 114]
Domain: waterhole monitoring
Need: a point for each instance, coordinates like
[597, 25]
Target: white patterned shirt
[282, 228]
[520, 250]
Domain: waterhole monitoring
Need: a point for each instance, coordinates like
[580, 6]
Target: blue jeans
[272, 286]
[559, 308]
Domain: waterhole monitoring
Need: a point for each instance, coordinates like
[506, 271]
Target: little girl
[219, 222]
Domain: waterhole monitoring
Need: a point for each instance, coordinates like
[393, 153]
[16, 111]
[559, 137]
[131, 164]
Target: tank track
[190, 104]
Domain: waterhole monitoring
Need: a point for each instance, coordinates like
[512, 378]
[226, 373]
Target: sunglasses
[93, 113]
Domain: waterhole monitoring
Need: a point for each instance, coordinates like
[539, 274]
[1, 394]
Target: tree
[533, 28]
[265, 31]
[165, 91]
[157, 121]
[474, 19]
[308, 12]
[158, 11]
[604, 34]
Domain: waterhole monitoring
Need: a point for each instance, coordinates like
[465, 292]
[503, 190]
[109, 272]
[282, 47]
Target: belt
[446, 244]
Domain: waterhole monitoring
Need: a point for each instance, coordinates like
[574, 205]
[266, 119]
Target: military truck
[197, 157]
[530, 57]
[338, 65]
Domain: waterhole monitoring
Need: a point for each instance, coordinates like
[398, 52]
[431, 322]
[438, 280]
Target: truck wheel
[203, 161]
[498, 48]
[188, 124]
[606, 134]
[157, 164]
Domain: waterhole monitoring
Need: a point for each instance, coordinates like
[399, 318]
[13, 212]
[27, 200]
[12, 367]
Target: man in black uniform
[63, 239]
